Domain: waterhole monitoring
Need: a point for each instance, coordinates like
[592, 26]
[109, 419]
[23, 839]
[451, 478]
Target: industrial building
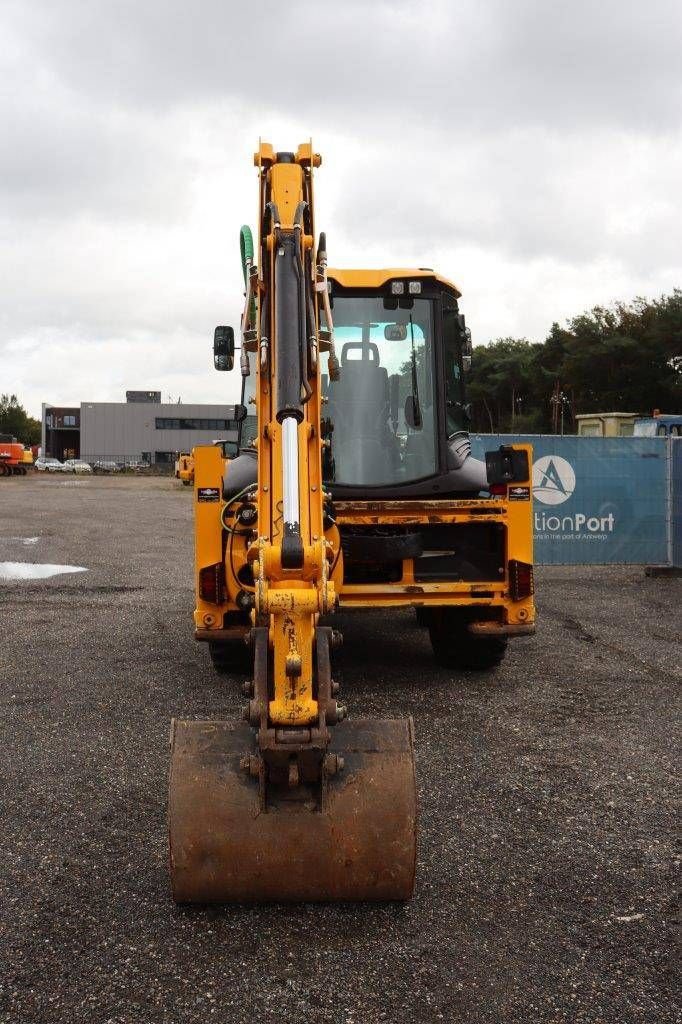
[140, 430]
[606, 424]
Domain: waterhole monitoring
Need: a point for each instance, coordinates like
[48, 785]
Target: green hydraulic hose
[246, 250]
[245, 246]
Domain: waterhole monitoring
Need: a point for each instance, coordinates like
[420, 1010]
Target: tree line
[15, 420]
[627, 358]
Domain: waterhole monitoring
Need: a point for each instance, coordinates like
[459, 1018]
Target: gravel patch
[546, 859]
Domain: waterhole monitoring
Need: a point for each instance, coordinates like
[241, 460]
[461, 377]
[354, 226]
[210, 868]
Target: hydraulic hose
[246, 250]
[246, 247]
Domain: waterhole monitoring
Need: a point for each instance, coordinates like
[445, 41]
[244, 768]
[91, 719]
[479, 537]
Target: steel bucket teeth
[359, 844]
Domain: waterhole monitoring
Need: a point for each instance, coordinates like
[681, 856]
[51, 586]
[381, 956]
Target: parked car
[77, 466]
[105, 466]
[47, 465]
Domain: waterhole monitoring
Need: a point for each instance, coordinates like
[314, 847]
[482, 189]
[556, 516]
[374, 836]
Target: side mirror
[223, 348]
[240, 413]
[413, 414]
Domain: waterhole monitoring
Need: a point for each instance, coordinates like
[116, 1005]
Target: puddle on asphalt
[35, 571]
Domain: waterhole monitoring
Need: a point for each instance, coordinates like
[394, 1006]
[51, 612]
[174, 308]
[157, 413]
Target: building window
[69, 421]
[164, 457]
[169, 423]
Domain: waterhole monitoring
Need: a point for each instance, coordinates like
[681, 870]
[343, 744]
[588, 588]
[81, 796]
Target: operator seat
[363, 446]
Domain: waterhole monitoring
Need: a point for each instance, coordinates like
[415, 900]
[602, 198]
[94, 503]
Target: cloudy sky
[528, 149]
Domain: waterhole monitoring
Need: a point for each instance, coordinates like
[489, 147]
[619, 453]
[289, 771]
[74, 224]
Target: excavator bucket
[353, 838]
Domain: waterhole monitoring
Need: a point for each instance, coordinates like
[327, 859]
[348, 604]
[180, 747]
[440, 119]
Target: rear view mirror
[223, 348]
[395, 332]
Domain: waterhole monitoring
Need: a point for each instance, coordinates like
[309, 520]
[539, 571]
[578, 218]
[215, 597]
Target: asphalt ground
[546, 859]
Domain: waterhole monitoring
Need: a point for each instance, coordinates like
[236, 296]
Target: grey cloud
[532, 141]
[471, 63]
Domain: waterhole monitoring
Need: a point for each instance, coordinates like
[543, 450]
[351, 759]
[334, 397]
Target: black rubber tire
[230, 658]
[455, 647]
[423, 617]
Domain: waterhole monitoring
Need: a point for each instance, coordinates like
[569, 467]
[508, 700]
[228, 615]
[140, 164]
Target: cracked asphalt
[547, 798]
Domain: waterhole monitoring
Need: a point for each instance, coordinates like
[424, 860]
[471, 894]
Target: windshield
[380, 415]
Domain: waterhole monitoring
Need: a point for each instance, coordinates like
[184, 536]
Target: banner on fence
[597, 500]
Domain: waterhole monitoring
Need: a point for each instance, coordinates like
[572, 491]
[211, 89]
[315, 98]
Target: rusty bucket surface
[360, 846]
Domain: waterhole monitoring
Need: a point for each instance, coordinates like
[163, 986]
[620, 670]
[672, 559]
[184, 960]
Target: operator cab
[396, 419]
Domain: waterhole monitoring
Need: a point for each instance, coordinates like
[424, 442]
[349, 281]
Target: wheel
[455, 647]
[232, 656]
[422, 616]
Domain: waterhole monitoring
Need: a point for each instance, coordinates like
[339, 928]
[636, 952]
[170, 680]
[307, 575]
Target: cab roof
[378, 278]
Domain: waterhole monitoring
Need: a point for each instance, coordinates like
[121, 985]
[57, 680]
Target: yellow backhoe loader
[184, 468]
[356, 488]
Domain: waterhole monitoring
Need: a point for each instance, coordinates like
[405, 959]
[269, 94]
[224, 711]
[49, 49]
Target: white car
[77, 466]
[45, 465]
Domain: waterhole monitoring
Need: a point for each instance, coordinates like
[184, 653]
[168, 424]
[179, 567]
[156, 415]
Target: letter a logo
[553, 480]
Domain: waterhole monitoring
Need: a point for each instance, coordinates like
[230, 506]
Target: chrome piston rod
[290, 490]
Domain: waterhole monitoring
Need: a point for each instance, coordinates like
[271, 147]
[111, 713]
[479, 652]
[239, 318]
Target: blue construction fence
[603, 500]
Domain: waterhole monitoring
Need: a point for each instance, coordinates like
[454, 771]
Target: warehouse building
[139, 430]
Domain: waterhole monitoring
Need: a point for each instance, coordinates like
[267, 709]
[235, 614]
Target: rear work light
[520, 579]
[212, 583]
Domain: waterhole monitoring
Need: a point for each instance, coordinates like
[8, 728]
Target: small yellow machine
[356, 488]
[184, 468]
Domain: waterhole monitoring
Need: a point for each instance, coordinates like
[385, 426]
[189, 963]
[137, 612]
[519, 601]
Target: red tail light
[520, 579]
[212, 583]
[499, 490]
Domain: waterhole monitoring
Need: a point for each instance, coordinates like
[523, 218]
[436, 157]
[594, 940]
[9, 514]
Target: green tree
[15, 420]
[627, 358]
[501, 386]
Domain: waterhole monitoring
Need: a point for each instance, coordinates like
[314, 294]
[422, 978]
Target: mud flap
[358, 844]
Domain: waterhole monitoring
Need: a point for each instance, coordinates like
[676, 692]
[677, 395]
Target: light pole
[560, 400]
